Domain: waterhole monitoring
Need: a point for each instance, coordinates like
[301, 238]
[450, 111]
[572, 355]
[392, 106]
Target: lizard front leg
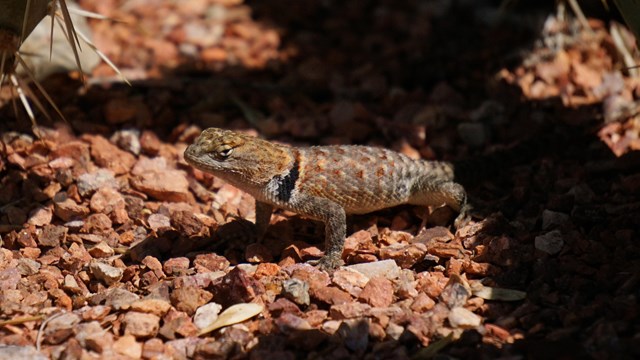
[263, 218]
[335, 227]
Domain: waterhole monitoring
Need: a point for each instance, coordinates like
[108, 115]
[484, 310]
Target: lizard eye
[225, 153]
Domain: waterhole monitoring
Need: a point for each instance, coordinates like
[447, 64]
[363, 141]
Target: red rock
[349, 310]
[177, 324]
[422, 303]
[150, 143]
[104, 272]
[210, 262]
[128, 346]
[237, 287]
[266, 270]
[110, 202]
[350, 280]
[151, 306]
[331, 295]
[97, 223]
[108, 155]
[189, 224]
[67, 209]
[153, 348]
[188, 299]
[40, 216]
[141, 325]
[52, 235]
[176, 266]
[159, 222]
[154, 178]
[432, 283]
[101, 250]
[76, 150]
[405, 255]
[315, 317]
[89, 183]
[154, 265]
[378, 292]
[60, 328]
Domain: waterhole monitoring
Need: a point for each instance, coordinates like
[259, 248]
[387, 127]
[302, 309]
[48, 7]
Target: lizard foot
[328, 263]
[463, 218]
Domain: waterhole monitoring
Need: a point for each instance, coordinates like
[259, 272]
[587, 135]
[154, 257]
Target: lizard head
[238, 157]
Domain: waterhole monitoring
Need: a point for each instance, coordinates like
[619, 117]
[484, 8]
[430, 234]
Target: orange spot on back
[360, 174]
[340, 151]
[380, 171]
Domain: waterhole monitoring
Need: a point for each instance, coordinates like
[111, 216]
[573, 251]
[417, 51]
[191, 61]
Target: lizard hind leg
[452, 194]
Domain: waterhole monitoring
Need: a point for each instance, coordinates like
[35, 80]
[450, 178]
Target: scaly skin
[324, 182]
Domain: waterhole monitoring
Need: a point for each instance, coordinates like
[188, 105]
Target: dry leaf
[233, 315]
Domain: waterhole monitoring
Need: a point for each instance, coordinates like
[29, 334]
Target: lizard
[325, 183]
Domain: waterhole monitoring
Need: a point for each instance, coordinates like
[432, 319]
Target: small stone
[288, 322]
[210, 262]
[206, 315]
[394, 330]
[350, 280]
[331, 295]
[153, 349]
[110, 202]
[101, 250]
[67, 209]
[460, 317]
[553, 219]
[141, 325]
[386, 268]
[297, 291]
[154, 178]
[102, 178]
[40, 216]
[151, 306]
[350, 310]
[28, 267]
[189, 299]
[378, 292]
[52, 235]
[60, 328]
[455, 294]
[97, 223]
[128, 346]
[108, 155]
[119, 299]
[159, 222]
[106, 273]
[422, 303]
[127, 139]
[405, 255]
[177, 324]
[550, 243]
[11, 352]
[176, 266]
